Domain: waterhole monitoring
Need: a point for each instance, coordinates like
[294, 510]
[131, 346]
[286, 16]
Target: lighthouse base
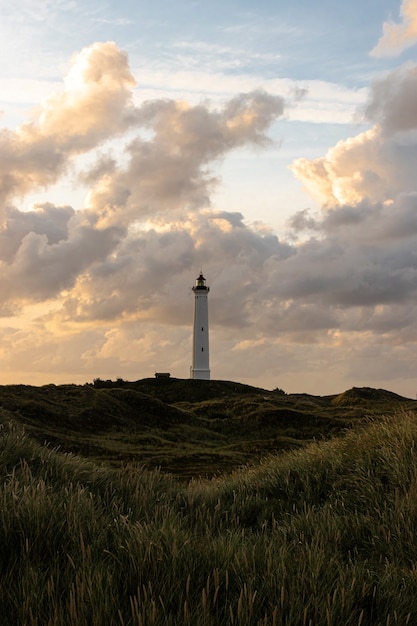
[200, 374]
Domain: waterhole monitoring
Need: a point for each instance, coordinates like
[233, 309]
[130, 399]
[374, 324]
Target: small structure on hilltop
[162, 374]
[200, 368]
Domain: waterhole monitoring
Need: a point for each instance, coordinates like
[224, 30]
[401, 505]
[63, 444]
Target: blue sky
[266, 142]
[292, 38]
[198, 50]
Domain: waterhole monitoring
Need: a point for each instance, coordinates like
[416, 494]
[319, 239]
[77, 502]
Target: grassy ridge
[187, 427]
[324, 535]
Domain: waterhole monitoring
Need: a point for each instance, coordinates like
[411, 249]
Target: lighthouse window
[202, 328]
[202, 349]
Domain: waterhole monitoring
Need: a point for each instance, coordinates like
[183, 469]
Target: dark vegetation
[301, 510]
[190, 428]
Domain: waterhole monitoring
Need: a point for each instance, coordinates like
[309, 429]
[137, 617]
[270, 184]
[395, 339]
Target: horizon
[101, 382]
[274, 146]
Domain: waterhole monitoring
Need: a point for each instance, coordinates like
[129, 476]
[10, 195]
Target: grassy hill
[188, 427]
[323, 534]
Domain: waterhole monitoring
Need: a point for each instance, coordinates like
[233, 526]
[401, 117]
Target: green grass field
[318, 528]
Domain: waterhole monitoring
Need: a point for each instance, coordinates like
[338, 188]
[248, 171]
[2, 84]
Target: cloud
[397, 37]
[379, 163]
[94, 105]
[392, 102]
[171, 171]
[160, 174]
[354, 264]
[45, 220]
[96, 101]
[363, 261]
[359, 258]
[321, 101]
[105, 289]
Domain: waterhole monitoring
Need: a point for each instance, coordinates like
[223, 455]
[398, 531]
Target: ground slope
[187, 427]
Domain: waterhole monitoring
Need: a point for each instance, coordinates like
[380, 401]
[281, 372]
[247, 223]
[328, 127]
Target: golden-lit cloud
[94, 106]
[379, 164]
[51, 249]
[397, 37]
[104, 289]
[350, 171]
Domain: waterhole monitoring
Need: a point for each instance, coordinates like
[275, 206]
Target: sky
[270, 144]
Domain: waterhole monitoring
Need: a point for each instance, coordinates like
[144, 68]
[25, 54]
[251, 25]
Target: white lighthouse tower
[200, 368]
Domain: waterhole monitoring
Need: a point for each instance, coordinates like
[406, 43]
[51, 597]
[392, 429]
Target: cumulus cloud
[171, 171]
[379, 163]
[44, 219]
[355, 264]
[94, 105]
[392, 102]
[367, 185]
[164, 172]
[397, 37]
[114, 277]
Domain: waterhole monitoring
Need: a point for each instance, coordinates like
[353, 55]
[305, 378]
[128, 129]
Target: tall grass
[319, 537]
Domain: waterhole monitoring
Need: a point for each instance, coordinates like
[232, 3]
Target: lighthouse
[200, 368]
